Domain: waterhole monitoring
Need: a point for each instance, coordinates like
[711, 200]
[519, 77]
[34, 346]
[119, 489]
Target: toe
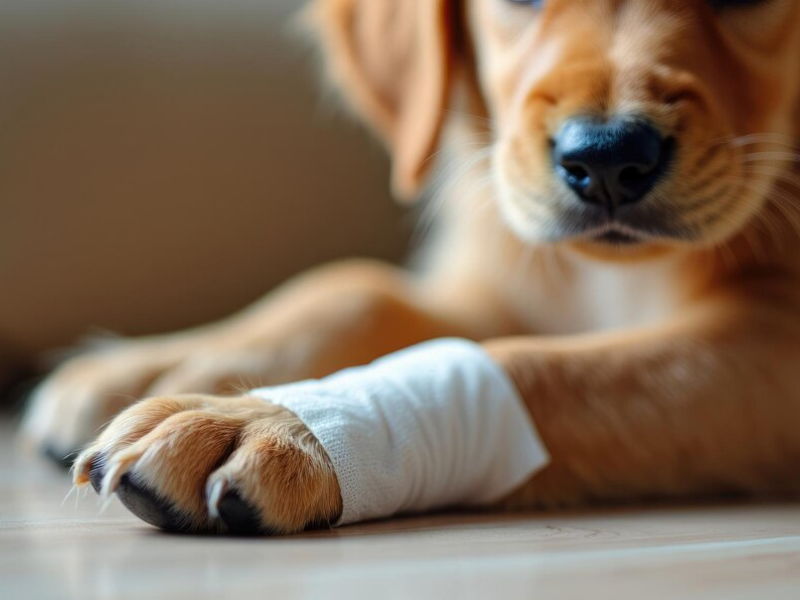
[140, 420]
[161, 478]
[273, 483]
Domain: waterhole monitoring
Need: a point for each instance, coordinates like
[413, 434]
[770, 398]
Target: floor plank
[55, 549]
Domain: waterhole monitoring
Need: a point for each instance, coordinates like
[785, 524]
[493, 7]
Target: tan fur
[658, 371]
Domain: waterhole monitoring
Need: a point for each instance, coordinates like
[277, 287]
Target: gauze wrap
[439, 424]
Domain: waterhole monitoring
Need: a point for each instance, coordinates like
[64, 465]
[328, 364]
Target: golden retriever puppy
[618, 228]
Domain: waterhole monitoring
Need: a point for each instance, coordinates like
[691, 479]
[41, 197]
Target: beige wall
[163, 162]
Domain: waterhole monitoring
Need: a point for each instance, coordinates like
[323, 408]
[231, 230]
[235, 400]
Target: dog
[618, 228]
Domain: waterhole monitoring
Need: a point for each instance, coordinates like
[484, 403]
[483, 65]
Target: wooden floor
[55, 549]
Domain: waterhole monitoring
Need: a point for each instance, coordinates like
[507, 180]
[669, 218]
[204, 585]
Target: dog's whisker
[72, 490]
[780, 175]
[753, 140]
[783, 203]
[771, 156]
[477, 119]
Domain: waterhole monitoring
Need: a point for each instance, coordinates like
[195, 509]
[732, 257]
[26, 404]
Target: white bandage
[436, 425]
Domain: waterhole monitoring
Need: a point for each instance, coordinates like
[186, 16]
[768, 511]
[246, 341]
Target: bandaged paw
[433, 426]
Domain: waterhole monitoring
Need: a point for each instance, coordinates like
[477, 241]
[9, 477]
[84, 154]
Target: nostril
[577, 176]
[576, 172]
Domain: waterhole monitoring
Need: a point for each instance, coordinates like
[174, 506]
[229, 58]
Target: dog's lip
[618, 238]
[617, 234]
[629, 227]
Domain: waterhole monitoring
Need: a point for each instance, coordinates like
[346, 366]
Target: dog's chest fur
[579, 295]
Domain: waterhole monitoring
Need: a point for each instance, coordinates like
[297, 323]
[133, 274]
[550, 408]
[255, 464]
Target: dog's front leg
[333, 317]
[436, 425]
[705, 404]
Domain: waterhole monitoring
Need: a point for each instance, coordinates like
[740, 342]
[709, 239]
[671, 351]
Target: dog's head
[615, 123]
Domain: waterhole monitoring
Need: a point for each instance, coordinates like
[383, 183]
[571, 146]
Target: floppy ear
[392, 59]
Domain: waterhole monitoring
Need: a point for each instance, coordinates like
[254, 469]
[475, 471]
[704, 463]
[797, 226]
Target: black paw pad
[239, 516]
[150, 507]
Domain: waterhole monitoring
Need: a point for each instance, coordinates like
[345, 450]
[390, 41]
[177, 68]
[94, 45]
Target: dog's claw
[115, 471]
[215, 491]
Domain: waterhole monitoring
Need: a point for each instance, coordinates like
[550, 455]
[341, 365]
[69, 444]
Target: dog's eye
[721, 4]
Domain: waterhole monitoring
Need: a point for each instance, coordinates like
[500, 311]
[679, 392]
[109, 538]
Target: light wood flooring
[55, 549]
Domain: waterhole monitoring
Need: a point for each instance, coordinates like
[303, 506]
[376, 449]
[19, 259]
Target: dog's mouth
[627, 227]
[616, 237]
[620, 235]
[629, 230]
[618, 240]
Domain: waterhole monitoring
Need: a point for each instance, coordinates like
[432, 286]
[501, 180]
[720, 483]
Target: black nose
[610, 163]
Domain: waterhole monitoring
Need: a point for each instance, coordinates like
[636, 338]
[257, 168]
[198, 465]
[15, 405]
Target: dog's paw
[67, 410]
[208, 464]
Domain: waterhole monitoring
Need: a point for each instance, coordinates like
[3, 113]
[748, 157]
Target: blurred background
[165, 162]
